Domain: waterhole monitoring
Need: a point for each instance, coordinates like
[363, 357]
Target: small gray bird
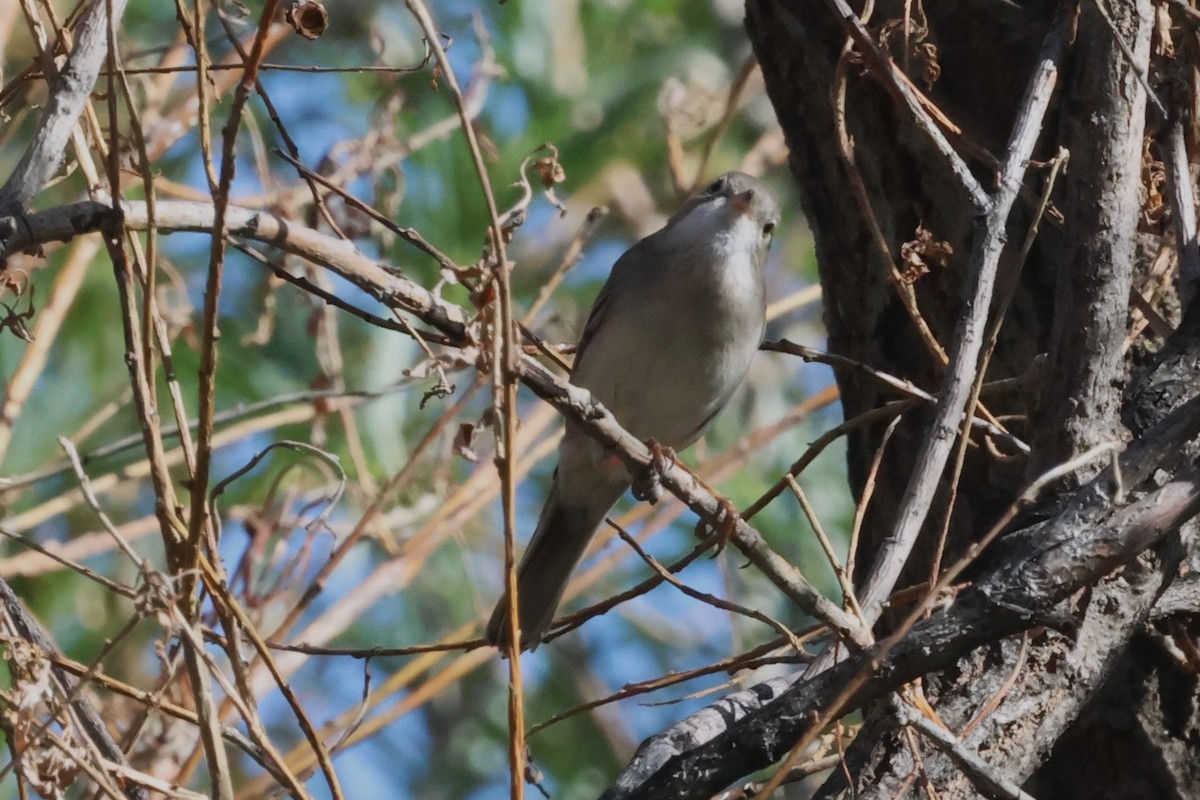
[669, 338]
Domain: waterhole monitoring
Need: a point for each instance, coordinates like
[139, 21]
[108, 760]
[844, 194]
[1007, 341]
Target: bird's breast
[678, 351]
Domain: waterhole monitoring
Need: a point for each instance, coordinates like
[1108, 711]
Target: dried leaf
[550, 170]
[1154, 180]
[1164, 45]
[463, 441]
[926, 55]
[910, 46]
[922, 254]
[308, 17]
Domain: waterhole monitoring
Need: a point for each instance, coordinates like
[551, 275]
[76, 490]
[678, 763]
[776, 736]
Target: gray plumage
[669, 338]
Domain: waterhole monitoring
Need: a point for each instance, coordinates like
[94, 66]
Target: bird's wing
[595, 320]
[605, 300]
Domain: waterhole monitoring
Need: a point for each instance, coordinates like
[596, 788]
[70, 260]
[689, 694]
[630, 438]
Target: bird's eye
[768, 229]
[716, 187]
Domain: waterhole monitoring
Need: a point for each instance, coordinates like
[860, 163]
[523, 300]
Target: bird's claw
[724, 526]
[662, 457]
[648, 487]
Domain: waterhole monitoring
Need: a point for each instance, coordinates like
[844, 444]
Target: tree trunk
[1114, 696]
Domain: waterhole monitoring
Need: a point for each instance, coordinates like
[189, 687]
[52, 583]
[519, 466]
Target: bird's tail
[558, 544]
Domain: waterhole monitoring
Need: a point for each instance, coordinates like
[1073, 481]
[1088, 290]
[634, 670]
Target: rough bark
[1114, 688]
[1027, 588]
[1103, 124]
[907, 184]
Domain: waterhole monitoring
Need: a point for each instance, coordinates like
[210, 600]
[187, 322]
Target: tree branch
[1104, 123]
[89, 718]
[1089, 538]
[990, 238]
[68, 96]
[343, 257]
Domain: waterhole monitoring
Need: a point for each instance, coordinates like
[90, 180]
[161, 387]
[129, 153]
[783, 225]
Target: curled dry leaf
[308, 17]
[910, 47]
[31, 692]
[440, 390]
[550, 171]
[14, 321]
[484, 295]
[463, 441]
[1154, 180]
[926, 55]
[30, 707]
[558, 176]
[923, 253]
[469, 432]
[437, 367]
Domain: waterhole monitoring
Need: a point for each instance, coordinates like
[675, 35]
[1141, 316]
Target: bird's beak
[742, 202]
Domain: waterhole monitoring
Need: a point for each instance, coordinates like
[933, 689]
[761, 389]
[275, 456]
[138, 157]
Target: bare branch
[990, 238]
[69, 94]
[1088, 539]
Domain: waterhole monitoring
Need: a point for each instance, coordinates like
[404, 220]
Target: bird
[669, 338]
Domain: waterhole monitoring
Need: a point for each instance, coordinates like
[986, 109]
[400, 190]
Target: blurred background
[642, 101]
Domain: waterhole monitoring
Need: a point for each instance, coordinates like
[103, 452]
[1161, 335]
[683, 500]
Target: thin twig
[987, 779]
[567, 261]
[504, 365]
[835, 563]
[868, 491]
[704, 597]
[1138, 72]
[892, 79]
[68, 96]
[968, 338]
[410, 235]
[1007, 282]
[768, 652]
[93, 724]
[811, 354]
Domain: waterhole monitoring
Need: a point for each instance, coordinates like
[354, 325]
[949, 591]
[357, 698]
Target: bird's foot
[723, 526]
[648, 486]
[662, 457]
